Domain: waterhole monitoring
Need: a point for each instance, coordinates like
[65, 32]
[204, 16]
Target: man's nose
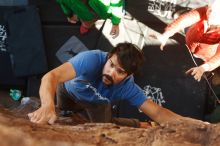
[112, 72]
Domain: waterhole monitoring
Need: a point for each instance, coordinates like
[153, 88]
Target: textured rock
[16, 130]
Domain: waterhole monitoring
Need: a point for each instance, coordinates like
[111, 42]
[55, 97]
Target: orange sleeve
[185, 20]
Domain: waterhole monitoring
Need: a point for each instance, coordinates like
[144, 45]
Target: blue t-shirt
[88, 86]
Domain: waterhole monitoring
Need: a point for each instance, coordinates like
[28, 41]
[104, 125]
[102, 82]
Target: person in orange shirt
[202, 38]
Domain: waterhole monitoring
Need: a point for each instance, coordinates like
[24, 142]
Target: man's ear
[109, 55]
[130, 75]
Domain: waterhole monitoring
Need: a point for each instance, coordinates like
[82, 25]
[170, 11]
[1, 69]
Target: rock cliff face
[16, 130]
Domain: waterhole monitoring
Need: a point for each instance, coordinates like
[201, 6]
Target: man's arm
[158, 113]
[116, 8]
[214, 61]
[183, 21]
[46, 113]
[210, 65]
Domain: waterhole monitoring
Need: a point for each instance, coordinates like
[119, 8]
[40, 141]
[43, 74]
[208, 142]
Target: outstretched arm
[210, 65]
[158, 113]
[46, 113]
[183, 21]
[116, 8]
[114, 31]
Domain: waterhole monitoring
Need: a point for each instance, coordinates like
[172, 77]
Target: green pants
[82, 9]
[87, 10]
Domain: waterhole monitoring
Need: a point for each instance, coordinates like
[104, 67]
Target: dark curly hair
[130, 57]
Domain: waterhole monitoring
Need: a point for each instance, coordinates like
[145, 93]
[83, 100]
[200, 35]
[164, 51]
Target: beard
[109, 79]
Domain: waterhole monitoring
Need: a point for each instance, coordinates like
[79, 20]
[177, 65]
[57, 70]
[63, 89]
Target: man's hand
[45, 114]
[73, 19]
[162, 38]
[114, 31]
[196, 72]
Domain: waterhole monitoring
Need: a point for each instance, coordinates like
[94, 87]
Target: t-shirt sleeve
[86, 62]
[134, 94]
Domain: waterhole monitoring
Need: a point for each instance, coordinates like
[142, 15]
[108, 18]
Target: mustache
[108, 77]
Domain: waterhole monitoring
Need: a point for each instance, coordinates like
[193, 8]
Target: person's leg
[130, 122]
[86, 25]
[101, 9]
[99, 113]
[77, 7]
[64, 100]
[96, 113]
[92, 112]
[78, 10]
[102, 113]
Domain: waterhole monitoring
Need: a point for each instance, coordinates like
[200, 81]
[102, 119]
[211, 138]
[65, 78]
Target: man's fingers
[42, 120]
[198, 77]
[207, 123]
[115, 35]
[113, 32]
[189, 71]
[161, 47]
[35, 116]
[33, 119]
[30, 115]
[194, 72]
[52, 119]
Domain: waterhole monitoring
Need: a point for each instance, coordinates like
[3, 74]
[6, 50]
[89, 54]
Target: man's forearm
[166, 116]
[47, 90]
[158, 113]
[214, 62]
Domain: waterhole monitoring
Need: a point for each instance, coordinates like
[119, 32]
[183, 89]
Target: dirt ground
[17, 130]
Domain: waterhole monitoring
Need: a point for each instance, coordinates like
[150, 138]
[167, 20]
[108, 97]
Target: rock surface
[16, 130]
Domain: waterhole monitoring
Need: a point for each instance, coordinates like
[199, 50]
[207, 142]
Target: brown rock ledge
[16, 130]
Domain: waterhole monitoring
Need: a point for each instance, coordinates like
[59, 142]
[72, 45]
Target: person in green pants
[88, 11]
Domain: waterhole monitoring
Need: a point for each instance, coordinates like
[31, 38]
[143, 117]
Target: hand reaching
[114, 31]
[73, 19]
[162, 38]
[196, 72]
[43, 115]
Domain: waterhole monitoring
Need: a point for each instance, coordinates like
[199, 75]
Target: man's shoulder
[100, 52]
[94, 53]
[128, 82]
[90, 58]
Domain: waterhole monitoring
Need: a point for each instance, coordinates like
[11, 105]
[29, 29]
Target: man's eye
[121, 72]
[111, 64]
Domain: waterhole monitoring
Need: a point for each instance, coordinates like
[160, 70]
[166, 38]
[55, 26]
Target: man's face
[112, 72]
